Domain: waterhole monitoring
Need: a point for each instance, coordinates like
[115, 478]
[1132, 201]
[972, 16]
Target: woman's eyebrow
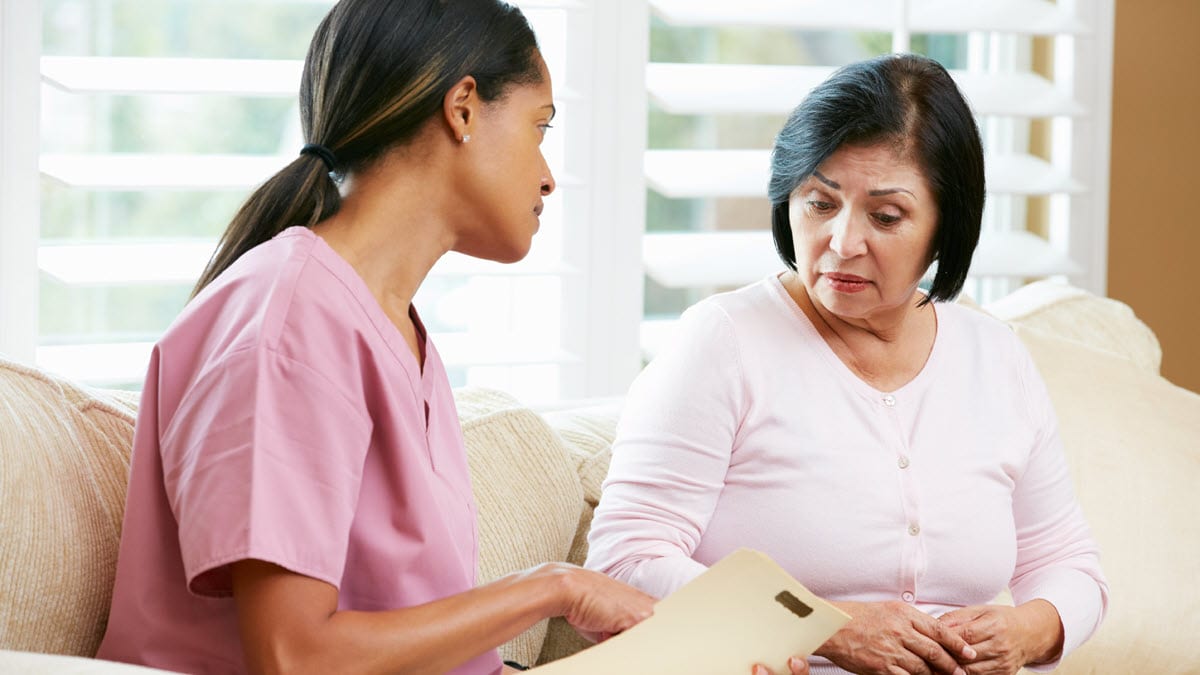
[873, 193]
[553, 110]
[833, 184]
[890, 191]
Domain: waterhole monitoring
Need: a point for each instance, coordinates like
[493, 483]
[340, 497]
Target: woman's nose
[847, 238]
[548, 183]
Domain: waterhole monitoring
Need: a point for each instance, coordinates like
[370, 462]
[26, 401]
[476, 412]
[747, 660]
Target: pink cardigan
[749, 431]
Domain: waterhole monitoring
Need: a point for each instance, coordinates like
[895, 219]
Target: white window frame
[604, 327]
[1089, 58]
[20, 110]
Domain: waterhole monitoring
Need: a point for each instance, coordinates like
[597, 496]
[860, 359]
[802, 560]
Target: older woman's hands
[1007, 638]
[893, 638]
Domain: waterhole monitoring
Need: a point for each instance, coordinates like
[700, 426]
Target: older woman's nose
[847, 238]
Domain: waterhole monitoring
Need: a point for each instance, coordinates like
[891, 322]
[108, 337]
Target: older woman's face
[863, 227]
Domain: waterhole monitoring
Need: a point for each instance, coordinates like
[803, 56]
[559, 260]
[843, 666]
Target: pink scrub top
[285, 419]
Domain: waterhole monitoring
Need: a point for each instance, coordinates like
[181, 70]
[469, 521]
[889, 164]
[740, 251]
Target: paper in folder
[743, 610]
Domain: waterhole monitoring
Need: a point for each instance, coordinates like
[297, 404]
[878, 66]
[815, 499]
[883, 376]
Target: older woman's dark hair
[375, 73]
[911, 103]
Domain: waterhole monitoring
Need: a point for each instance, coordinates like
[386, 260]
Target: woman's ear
[460, 108]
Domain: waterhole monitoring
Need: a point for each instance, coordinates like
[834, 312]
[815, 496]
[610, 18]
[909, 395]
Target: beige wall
[1154, 203]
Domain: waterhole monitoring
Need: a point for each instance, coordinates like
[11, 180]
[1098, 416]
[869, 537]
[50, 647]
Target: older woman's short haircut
[911, 103]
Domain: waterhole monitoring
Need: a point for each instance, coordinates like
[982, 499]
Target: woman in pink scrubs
[299, 498]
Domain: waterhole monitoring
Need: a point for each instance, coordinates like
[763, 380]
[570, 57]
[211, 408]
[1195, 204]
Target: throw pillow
[526, 490]
[1073, 313]
[588, 434]
[64, 466]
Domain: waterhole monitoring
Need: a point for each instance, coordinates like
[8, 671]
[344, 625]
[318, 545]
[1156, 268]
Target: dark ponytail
[301, 194]
[375, 73]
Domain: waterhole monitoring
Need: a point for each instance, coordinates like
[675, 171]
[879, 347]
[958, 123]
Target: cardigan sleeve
[670, 457]
[1057, 559]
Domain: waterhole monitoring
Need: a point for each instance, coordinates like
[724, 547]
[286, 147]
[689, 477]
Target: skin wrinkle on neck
[862, 361]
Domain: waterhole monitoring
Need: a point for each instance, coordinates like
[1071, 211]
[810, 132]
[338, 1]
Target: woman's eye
[545, 128]
[820, 207]
[887, 218]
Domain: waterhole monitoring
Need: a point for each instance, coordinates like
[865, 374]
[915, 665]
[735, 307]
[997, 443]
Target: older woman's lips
[846, 283]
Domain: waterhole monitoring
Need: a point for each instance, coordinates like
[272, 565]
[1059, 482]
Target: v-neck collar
[843, 371]
[386, 329]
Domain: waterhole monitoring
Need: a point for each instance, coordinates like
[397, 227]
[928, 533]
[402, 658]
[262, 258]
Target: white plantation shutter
[660, 151]
[105, 290]
[993, 68]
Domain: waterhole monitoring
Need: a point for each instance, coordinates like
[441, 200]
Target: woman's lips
[846, 283]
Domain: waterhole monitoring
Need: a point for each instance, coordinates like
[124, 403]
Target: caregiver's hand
[596, 605]
[893, 638]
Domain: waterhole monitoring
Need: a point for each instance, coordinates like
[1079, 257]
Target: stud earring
[466, 137]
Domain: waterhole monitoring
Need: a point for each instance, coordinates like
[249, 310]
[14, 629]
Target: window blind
[140, 177]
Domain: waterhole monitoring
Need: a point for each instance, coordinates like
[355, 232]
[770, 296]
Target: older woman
[895, 452]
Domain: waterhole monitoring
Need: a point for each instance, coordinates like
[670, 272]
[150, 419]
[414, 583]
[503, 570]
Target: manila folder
[743, 610]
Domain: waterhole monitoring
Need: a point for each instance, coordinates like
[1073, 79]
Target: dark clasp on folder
[793, 604]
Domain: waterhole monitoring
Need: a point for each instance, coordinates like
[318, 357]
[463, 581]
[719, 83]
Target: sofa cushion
[587, 433]
[64, 466]
[527, 492]
[1132, 440]
[1073, 313]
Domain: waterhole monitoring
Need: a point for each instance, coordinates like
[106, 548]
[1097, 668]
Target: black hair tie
[321, 151]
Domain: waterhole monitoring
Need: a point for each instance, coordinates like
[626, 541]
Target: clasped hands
[894, 638]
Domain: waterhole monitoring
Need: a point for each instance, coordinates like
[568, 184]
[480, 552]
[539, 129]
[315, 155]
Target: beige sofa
[1133, 441]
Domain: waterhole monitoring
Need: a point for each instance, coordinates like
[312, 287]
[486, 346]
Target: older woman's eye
[820, 207]
[887, 218]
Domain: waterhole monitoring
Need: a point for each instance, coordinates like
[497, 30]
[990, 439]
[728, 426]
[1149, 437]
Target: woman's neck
[885, 350]
[392, 229]
[393, 225]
